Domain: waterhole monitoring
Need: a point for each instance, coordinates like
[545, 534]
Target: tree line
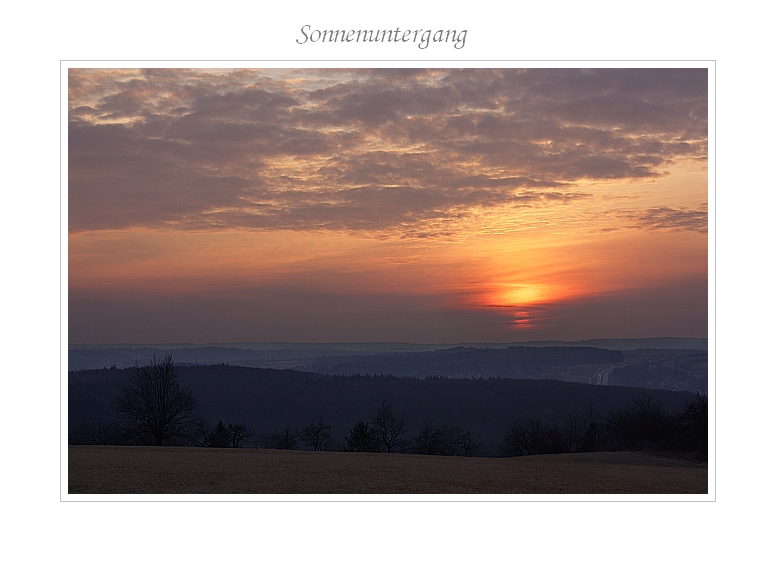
[155, 409]
[644, 426]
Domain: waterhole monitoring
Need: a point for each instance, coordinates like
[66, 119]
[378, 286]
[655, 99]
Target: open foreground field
[183, 470]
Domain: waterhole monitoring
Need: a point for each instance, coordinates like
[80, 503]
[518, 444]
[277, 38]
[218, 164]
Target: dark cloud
[368, 149]
[675, 219]
[664, 218]
[120, 178]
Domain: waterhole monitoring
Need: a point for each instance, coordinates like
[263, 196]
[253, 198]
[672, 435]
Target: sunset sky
[428, 206]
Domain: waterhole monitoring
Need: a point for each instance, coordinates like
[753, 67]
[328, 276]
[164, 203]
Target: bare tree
[229, 435]
[580, 430]
[526, 437]
[155, 409]
[97, 430]
[202, 432]
[451, 440]
[389, 428]
[468, 444]
[317, 435]
[693, 429]
[285, 439]
[647, 404]
[446, 440]
[428, 441]
[591, 430]
[238, 433]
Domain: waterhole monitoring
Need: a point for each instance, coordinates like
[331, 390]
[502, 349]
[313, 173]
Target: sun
[521, 319]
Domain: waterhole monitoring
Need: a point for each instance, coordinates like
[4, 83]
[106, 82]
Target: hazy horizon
[247, 344]
[354, 342]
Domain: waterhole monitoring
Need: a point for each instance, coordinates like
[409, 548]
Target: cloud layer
[411, 152]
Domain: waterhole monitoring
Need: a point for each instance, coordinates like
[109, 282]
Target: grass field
[183, 470]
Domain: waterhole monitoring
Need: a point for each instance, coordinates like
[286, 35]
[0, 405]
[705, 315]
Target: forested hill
[460, 362]
[270, 401]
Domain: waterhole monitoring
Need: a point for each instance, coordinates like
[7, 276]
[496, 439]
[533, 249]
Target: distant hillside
[680, 372]
[268, 355]
[461, 362]
[700, 344]
[279, 355]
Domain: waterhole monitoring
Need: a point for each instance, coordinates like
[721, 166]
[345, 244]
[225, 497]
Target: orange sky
[428, 206]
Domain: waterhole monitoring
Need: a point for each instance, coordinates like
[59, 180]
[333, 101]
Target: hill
[272, 400]
[286, 355]
[464, 362]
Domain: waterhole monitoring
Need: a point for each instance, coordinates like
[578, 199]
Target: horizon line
[224, 344]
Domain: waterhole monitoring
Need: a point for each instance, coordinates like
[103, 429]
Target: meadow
[197, 470]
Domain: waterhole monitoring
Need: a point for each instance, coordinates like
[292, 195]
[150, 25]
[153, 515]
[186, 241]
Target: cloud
[662, 218]
[368, 150]
[675, 219]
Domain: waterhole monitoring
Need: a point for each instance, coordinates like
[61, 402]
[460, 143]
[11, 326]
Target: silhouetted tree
[469, 446]
[285, 440]
[581, 430]
[526, 437]
[223, 435]
[362, 439]
[317, 435]
[647, 405]
[220, 436]
[97, 430]
[238, 433]
[447, 440]
[451, 440]
[389, 428]
[556, 440]
[645, 426]
[514, 441]
[694, 427]
[203, 431]
[154, 408]
[428, 441]
[651, 420]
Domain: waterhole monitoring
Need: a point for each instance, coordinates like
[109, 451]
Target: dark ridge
[272, 400]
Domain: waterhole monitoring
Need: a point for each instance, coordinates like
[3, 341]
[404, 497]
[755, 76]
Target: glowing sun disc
[521, 318]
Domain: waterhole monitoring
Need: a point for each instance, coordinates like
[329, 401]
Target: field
[184, 470]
